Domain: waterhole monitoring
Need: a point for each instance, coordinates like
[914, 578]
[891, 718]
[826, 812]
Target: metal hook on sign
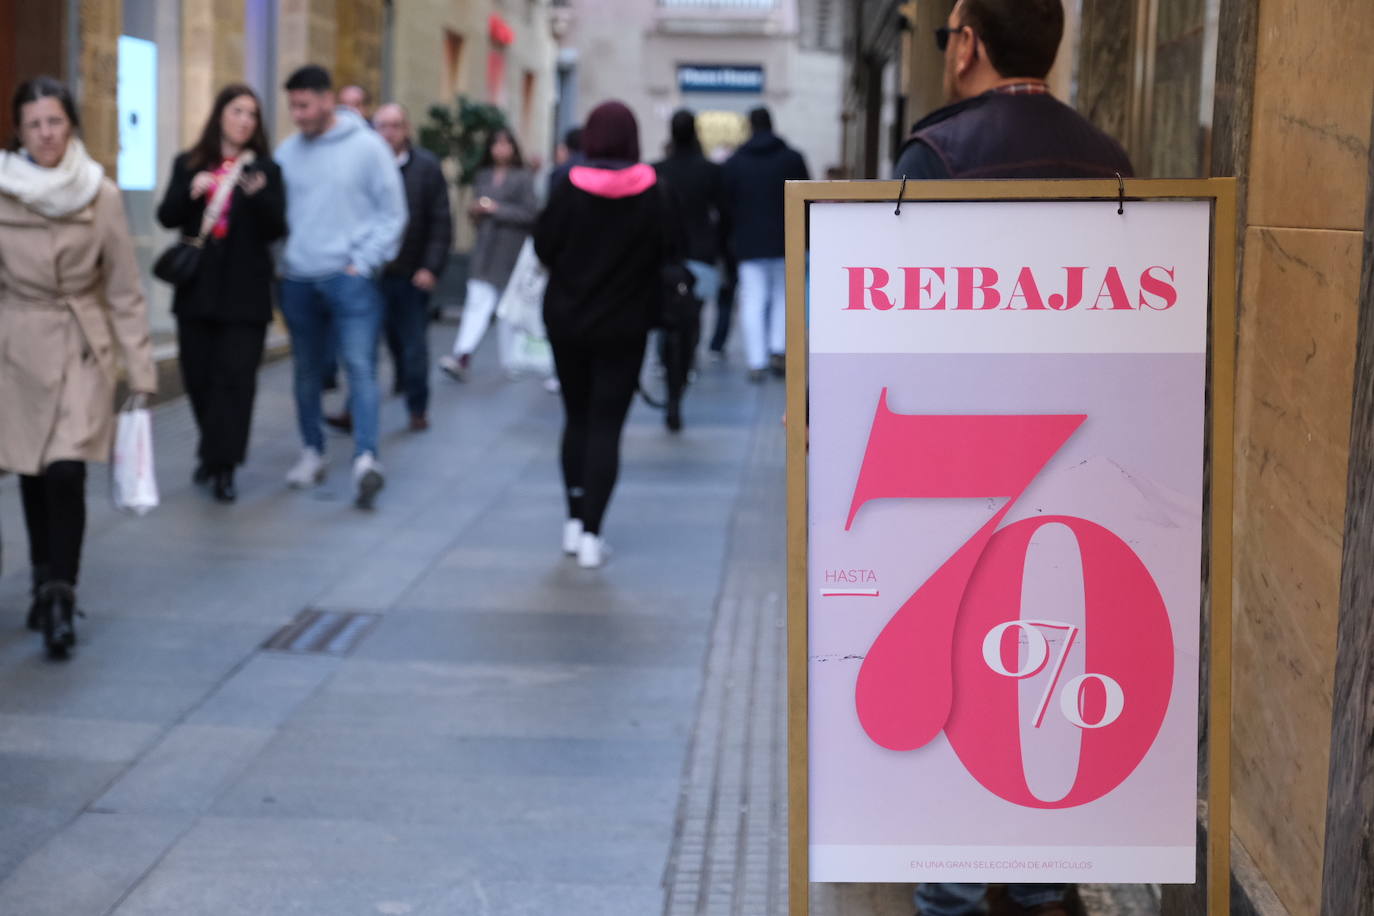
[1120, 195]
[900, 194]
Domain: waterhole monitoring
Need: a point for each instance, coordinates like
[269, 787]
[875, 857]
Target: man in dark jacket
[754, 180]
[1001, 121]
[698, 189]
[408, 280]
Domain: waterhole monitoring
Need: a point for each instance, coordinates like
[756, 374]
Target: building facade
[719, 58]
[146, 72]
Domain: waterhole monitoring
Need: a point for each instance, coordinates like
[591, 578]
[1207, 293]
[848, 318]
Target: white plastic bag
[132, 479]
[529, 354]
[522, 301]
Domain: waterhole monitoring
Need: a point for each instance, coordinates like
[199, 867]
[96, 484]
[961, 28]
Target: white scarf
[56, 192]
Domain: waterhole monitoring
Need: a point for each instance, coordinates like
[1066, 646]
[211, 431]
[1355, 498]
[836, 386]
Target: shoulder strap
[221, 197]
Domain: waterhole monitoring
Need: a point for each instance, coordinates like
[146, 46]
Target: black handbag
[678, 303]
[180, 263]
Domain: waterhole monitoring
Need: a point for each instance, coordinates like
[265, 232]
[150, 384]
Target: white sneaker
[591, 551]
[454, 368]
[308, 471]
[572, 536]
[368, 479]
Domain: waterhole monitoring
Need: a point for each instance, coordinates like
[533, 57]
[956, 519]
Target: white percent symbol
[1037, 656]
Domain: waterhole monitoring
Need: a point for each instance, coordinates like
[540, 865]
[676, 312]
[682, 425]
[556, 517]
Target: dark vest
[1000, 135]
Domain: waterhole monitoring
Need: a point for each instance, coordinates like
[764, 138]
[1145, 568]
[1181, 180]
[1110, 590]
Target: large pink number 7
[906, 684]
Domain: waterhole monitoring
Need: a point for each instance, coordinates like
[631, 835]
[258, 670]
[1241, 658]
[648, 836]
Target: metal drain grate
[322, 632]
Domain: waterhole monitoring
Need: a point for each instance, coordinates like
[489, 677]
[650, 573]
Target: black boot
[35, 621]
[673, 417]
[57, 608]
[224, 489]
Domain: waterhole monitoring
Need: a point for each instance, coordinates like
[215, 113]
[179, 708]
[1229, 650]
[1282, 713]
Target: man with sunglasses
[1001, 121]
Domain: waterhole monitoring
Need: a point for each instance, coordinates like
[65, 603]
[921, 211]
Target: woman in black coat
[223, 312]
[604, 237]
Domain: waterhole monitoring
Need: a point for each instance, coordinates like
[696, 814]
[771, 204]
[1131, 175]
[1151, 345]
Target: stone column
[306, 34]
[100, 25]
[212, 57]
[358, 45]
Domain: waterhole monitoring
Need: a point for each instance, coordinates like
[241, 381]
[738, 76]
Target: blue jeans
[407, 326]
[348, 309]
[967, 899]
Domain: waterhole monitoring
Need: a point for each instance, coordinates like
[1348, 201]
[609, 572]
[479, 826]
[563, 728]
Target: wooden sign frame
[1218, 472]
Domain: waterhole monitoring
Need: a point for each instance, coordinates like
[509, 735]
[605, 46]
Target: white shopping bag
[133, 482]
[529, 354]
[522, 301]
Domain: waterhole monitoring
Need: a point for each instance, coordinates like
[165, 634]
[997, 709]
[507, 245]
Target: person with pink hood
[604, 237]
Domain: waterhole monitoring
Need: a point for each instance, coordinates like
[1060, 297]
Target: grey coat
[501, 235]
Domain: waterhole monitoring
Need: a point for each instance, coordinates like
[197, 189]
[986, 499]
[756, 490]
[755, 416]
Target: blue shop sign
[714, 78]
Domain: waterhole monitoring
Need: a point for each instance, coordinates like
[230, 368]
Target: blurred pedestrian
[69, 294]
[754, 179]
[346, 209]
[223, 311]
[409, 280]
[358, 100]
[1001, 122]
[699, 194]
[567, 154]
[604, 237]
[503, 210]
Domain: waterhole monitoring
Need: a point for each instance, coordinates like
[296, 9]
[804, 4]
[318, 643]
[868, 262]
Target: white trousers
[478, 308]
[763, 308]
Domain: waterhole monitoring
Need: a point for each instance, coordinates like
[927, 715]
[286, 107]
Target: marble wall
[1172, 142]
[1105, 66]
[1313, 88]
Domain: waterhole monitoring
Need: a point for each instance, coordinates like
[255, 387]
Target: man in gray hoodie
[346, 210]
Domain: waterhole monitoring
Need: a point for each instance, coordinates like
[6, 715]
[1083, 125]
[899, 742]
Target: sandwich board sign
[996, 529]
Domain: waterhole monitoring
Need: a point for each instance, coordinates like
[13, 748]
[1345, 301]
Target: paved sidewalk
[512, 737]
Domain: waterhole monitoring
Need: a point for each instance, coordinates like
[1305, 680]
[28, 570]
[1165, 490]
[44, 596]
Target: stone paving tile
[536, 637]
[571, 701]
[25, 828]
[186, 772]
[88, 867]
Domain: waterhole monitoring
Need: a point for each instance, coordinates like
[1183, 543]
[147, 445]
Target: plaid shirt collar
[1036, 87]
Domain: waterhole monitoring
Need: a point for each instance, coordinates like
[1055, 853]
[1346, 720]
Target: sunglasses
[943, 33]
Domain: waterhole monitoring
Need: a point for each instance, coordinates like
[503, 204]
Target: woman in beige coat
[69, 293]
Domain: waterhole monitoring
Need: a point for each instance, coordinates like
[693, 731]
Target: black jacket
[429, 229]
[234, 283]
[1001, 135]
[604, 251]
[698, 188]
[754, 178]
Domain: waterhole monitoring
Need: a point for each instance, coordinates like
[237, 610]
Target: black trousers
[677, 350]
[598, 382]
[725, 305]
[55, 515]
[219, 367]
